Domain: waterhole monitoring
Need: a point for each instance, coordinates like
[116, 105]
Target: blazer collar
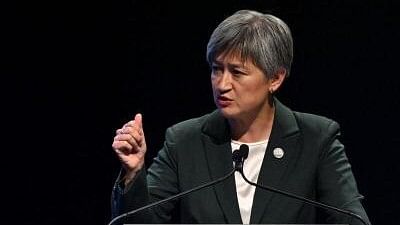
[284, 135]
[217, 145]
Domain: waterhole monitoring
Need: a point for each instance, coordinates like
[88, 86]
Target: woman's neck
[253, 128]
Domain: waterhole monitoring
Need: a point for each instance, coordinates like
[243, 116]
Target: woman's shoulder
[191, 123]
[305, 121]
[314, 123]
[194, 124]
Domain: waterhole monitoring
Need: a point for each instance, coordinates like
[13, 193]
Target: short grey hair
[263, 38]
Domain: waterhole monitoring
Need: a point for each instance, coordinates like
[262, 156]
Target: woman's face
[239, 88]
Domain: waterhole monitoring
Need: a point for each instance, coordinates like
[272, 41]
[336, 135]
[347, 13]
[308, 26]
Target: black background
[73, 72]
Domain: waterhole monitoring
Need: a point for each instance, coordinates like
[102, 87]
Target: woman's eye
[216, 69]
[237, 72]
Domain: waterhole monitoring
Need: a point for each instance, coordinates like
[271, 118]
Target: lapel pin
[278, 153]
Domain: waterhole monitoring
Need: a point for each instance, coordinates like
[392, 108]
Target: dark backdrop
[75, 71]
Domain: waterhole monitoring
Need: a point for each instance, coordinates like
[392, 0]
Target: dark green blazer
[197, 151]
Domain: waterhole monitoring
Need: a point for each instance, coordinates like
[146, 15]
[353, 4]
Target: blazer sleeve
[158, 182]
[336, 183]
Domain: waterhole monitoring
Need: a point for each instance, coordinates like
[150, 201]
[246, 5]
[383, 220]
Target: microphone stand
[171, 197]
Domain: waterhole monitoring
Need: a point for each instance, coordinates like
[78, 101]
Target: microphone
[237, 156]
[242, 155]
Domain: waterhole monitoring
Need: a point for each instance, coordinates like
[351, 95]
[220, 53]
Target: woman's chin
[228, 114]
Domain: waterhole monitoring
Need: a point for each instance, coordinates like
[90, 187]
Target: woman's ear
[277, 80]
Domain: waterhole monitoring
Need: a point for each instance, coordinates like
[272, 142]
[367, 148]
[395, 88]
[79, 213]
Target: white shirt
[251, 169]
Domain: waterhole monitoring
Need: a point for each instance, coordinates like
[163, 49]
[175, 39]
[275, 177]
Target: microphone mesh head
[244, 150]
[237, 156]
[240, 154]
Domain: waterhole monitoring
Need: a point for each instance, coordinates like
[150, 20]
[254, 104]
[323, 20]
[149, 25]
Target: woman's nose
[225, 82]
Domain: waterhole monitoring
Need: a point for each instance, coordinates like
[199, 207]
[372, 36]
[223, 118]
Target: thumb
[138, 120]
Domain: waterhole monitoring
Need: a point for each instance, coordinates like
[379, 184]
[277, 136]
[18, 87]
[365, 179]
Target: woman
[250, 55]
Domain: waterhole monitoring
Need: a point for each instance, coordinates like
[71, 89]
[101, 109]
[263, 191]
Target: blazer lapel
[217, 145]
[284, 135]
